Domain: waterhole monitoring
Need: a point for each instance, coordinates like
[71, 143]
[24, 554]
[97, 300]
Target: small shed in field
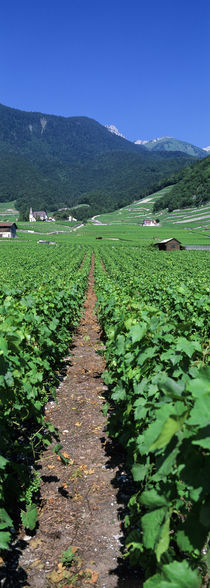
[8, 230]
[47, 242]
[149, 222]
[171, 244]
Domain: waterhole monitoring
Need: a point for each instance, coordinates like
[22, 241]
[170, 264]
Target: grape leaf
[29, 517]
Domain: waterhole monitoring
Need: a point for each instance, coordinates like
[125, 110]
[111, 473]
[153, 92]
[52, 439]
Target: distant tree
[62, 214]
[80, 212]
[24, 213]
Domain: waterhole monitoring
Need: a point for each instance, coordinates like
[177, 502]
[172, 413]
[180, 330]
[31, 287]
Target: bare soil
[81, 503]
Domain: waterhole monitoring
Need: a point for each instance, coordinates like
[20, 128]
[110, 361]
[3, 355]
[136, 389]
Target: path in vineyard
[80, 503]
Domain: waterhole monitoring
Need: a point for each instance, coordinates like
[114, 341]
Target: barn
[171, 244]
[8, 230]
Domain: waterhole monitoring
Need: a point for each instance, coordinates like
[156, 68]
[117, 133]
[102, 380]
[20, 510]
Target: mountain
[166, 144]
[192, 187]
[51, 162]
[37, 135]
[171, 144]
[140, 142]
[114, 130]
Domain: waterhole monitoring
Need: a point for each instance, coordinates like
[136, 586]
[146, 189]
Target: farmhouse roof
[167, 240]
[7, 225]
[39, 212]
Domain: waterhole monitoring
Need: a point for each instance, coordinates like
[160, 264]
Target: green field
[190, 225]
[139, 234]
[189, 218]
[119, 232]
[153, 308]
[8, 211]
[47, 227]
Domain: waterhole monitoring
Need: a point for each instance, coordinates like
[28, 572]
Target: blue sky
[142, 65]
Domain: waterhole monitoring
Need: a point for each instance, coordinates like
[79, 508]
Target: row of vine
[37, 319]
[154, 315]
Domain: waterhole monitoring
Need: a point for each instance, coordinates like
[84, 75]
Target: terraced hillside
[190, 218]
[8, 211]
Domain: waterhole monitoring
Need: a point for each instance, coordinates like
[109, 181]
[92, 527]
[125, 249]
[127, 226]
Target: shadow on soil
[12, 575]
[128, 577]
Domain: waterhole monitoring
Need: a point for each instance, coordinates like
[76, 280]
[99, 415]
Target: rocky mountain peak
[114, 131]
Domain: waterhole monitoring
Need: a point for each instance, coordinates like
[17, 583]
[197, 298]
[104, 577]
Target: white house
[149, 222]
[37, 215]
[71, 218]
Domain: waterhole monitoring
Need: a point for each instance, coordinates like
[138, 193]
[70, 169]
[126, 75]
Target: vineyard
[153, 311]
[154, 314]
[41, 297]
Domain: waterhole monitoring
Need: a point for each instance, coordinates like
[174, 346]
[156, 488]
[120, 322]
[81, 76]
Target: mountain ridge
[166, 144]
[172, 144]
[48, 161]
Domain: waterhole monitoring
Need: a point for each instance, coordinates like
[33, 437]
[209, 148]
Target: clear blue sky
[142, 65]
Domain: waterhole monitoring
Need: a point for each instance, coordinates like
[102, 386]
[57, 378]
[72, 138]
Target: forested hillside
[50, 161]
[193, 188]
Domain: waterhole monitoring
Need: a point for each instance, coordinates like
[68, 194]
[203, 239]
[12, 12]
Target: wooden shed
[8, 230]
[171, 244]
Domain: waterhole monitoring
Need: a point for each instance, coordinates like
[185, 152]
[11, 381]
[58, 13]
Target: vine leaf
[137, 332]
[164, 539]
[29, 517]
[177, 575]
[4, 539]
[5, 520]
[151, 525]
[170, 427]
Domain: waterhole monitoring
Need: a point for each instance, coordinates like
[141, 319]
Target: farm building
[8, 230]
[149, 222]
[47, 242]
[169, 244]
[37, 215]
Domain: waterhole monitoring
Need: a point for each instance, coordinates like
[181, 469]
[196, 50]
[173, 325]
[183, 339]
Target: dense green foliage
[154, 312]
[80, 212]
[23, 213]
[192, 187]
[40, 300]
[50, 162]
[153, 308]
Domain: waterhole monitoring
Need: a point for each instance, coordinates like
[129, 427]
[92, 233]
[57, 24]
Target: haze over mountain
[171, 144]
[51, 161]
[166, 144]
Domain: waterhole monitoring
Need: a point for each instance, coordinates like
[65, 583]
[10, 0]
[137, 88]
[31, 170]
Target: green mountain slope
[171, 144]
[38, 135]
[49, 161]
[193, 188]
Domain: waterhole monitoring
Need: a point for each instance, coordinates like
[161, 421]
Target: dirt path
[79, 501]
